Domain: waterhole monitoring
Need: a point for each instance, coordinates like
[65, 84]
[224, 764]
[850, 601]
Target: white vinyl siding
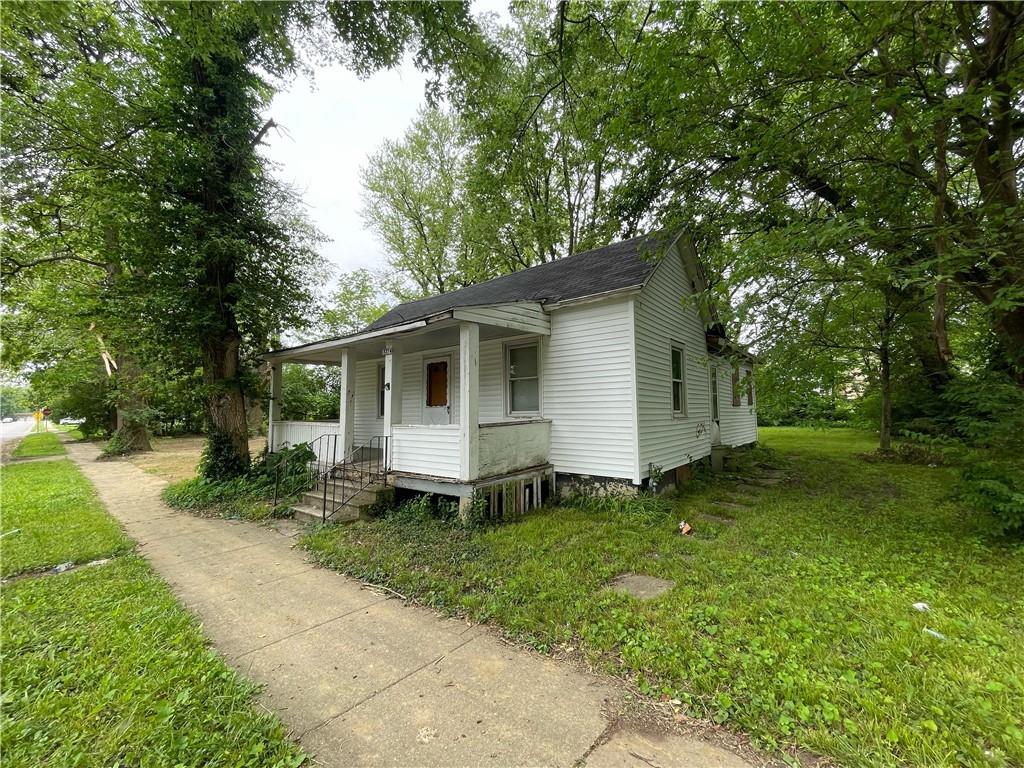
[738, 423]
[367, 423]
[669, 438]
[587, 389]
[492, 381]
[423, 449]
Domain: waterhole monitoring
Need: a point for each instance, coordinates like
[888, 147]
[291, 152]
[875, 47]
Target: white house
[598, 365]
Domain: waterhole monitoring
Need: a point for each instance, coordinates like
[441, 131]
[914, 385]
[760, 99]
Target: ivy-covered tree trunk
[228, 448]
[131, 432]
[224, 112]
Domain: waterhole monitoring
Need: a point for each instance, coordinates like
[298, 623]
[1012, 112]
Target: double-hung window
[749, 376]
[714, 392]
[678, 363]
[523, 371]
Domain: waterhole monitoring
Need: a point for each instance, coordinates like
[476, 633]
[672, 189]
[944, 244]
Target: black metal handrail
[358, 470]
[338, 481]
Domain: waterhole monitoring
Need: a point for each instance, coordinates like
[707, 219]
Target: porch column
[274, 411]
[392, 388]
[469, 400]
[347, 401]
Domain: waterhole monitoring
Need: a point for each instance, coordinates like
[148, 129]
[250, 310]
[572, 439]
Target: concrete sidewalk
[361, 679]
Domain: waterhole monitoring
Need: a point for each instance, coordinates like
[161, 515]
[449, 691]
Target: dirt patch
[640, 585]
[176, 458]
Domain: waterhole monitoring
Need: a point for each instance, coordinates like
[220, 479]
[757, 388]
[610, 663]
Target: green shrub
[220, 460]
[643, 506]
[248, 496]
[997, 487]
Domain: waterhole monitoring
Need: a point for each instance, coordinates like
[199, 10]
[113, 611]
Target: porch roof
[434, 332]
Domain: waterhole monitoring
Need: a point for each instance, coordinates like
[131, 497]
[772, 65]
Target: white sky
[331, 123]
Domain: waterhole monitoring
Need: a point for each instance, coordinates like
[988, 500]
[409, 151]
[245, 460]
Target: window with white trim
[678, 368]
[713, 383]
[523, 373]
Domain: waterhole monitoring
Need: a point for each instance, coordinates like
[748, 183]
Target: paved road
[365, 680]
[16, 430]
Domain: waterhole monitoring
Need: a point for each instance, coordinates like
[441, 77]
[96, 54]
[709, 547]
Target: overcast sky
[330, 124]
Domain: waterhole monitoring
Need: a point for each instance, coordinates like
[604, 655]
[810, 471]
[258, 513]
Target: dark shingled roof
[614, 267]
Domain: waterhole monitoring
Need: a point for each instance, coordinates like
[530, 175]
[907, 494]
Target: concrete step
[304, 513]
[364, 498]
[311, 505]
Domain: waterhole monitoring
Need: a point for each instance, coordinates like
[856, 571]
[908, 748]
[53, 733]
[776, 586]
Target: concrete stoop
[310, 507]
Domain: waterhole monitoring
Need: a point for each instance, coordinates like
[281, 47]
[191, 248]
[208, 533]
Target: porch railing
[335, 477]
[343, 480]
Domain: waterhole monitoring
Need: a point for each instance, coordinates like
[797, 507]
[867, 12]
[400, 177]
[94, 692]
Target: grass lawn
[59, 517]
[71, 430]
[39, 444]
[795, 624]
[102, 666]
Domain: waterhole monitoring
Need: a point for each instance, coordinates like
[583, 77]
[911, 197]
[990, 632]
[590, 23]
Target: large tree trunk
[1009, 328]
[254, 411]
[131, 434]
[885, 375]
[927, 333]
[228, 447]
[885, 429]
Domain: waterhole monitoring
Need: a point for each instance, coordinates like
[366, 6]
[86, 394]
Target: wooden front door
[437, 407]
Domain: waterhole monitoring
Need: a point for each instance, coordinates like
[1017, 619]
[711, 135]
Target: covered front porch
[454, 402]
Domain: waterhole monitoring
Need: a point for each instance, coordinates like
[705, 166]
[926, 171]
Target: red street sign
[47, 411]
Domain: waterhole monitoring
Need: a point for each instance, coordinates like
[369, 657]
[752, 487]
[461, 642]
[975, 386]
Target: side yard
[101, 665]
[791, 614]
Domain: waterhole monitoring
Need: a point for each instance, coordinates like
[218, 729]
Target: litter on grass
[936, 635]
[920, 607]
[685, 529]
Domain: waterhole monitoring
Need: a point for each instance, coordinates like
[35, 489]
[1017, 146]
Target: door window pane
[437, 384]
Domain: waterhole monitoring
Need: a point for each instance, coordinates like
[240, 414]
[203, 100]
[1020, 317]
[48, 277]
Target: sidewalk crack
[385, 688]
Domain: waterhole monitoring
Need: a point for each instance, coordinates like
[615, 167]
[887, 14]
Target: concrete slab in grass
[641, 586]
[482, 704]
[629, 749]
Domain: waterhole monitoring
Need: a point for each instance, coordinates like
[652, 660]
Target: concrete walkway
[361, 679]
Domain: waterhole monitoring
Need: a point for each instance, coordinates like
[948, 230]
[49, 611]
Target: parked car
[9, 420]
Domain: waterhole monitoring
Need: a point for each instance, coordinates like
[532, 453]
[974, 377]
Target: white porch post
[347, 401]
[392, 389]
[274, 412]
[469, 400]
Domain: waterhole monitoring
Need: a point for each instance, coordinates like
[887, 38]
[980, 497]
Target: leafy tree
[414, 199]
[134, 135]
[898, 122]
[14, 399]
[360, 298]
[519, 172]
